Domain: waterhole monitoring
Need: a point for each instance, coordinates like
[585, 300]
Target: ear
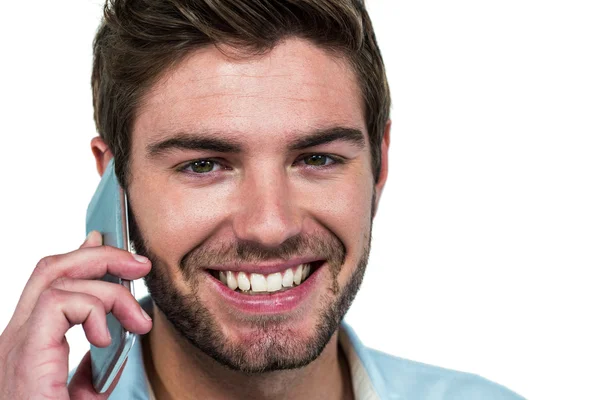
[102, 154]
[383, 173]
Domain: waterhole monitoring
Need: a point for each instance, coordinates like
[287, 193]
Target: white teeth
[232, 283]
[262, 283]
[243, 281]
[274, 282]
[298, 275]
[288, 278]
[258, 282]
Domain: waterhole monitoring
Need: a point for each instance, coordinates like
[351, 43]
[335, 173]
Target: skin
[264, 195]
[63, 291]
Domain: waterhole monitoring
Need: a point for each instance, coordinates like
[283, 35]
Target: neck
[177, 370]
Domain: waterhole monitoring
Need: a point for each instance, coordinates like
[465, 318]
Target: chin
[271, 348]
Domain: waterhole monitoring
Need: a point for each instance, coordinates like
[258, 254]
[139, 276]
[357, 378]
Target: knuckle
[104, 255]
[45, 264]
[107, 251]
[96, 303]
[121, 292]
[61, 283]
[50, 296]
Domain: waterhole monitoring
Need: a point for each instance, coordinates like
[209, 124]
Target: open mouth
[277, 282]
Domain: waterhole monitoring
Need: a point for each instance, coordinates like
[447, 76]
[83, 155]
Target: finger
[85, 263]
[93, 239]
[81, 386]
[58, 310]
[92, 263]
[115, 298]
[26, 303]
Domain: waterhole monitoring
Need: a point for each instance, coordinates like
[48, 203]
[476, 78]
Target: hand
[62, 292]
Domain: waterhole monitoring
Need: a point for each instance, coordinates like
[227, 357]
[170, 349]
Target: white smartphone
[107, 213]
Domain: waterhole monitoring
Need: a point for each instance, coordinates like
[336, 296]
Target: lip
[265, 268]
[268, 303]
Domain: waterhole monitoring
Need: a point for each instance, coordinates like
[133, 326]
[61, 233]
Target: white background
[486, 246]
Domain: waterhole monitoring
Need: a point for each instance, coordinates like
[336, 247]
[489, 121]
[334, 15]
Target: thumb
[93, 239]
[81, 387]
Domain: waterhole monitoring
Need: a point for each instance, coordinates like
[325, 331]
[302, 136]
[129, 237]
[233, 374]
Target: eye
[320, 160]
[201, 166]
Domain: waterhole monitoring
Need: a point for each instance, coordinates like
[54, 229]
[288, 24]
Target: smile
[253, 283]
[264, 289]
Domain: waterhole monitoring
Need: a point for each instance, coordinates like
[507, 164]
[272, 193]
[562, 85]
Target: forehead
[295, 87]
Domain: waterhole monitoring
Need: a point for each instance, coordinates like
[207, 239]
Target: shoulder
[397, 378]
[418, 380]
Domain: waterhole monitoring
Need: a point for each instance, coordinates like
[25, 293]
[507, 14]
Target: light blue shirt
[375, 376]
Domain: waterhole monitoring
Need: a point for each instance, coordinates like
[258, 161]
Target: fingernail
[89, 235]
[145, 314]
[108, 334]
[141, 259]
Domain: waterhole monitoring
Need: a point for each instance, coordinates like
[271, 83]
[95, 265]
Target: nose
[268, 215]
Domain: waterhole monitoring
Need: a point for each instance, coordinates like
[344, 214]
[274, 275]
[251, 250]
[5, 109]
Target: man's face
[254, 165]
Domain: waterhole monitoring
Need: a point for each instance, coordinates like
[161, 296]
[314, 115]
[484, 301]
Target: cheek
[346, 211]
[173, 218]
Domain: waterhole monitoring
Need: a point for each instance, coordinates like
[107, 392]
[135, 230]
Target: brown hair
[138, 40]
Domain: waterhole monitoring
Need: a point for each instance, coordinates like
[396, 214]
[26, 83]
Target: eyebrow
[215, 142]
[350, 135]
[191, 141]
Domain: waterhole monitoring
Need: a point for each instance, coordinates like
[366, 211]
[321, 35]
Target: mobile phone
[107, 213]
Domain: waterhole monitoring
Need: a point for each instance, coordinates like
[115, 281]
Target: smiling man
[252, 140]
[248, 173]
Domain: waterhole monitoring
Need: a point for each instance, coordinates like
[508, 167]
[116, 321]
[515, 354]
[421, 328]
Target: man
[252, 140]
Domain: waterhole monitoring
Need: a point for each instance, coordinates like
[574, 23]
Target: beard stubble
[274, 346]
